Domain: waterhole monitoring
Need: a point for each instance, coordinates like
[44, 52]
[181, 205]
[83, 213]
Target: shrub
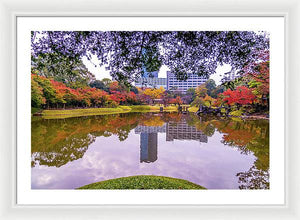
[236, 113]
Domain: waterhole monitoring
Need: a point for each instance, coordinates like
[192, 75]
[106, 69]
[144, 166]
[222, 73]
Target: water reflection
[214, 152]
[249, 137]
[183, 131]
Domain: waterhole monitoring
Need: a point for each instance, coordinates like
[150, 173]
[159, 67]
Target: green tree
[37, 96]
[99, 85]
[48, 90]
[106, 81]
[64, 69]
[210, 85]
[219, 89]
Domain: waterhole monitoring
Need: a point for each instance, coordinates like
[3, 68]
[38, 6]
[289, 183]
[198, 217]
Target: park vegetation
[248, 93]
[46, 93]
[60, 80]
[143, 182]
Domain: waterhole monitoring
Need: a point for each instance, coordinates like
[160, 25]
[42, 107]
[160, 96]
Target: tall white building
[193, 81]
[151, 82]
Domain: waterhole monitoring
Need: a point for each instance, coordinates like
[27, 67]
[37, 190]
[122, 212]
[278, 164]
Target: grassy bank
[35, 110]
[193, 109]
[67, 113]
[143, 182]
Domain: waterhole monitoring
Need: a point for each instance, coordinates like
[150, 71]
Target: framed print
[76, 119]
[146, 110]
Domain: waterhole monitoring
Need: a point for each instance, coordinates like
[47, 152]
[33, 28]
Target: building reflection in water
[182, 131]
[179, 131]
[148, 142]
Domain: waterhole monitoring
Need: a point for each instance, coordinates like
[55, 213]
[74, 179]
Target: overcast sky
[101, 73]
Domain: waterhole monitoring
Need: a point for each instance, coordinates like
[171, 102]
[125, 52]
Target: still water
[216, 153]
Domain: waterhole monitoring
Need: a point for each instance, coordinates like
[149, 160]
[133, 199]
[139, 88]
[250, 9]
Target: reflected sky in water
[69, 153]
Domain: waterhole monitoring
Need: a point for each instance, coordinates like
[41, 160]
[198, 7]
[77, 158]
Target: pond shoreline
[255, 117]
[81, 112]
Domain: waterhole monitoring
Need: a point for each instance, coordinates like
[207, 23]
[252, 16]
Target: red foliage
[242, 95]
[176, 100]
[261, 75]
[114, 86]
[118, 97]
[86, 96]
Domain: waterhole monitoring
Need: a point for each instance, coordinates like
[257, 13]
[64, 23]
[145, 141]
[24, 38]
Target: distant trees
[65, 69]
[176, 101]
[99, 85]
[49, 93]
[210, 85]
[259, 81]
[250, 91]
[154, 93]
[37, 96]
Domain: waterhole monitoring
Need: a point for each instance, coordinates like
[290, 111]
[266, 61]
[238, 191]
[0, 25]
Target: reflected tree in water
[67, 150]
[254, 178]
[57, 142]
[249, 137]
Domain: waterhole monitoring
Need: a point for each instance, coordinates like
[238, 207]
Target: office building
[151, 82]
[193, 81]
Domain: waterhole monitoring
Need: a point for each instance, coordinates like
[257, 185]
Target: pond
[217, 153]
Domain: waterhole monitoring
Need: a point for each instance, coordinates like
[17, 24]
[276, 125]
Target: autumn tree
[37, 96]
[176, 101]
[259, 81]
[201, 91]
[154, 93]
[209, 101]
[241, 96]
[184, 52]
[48, 91]
[62, 68]
[210, 84]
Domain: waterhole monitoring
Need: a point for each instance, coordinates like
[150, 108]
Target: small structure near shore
[183, 109]
[209, 110]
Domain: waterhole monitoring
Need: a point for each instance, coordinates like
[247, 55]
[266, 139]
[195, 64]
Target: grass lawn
[67, 113]
[193, 109]
[143, 182]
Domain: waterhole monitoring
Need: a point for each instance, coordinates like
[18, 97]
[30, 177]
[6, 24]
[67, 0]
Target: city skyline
[101, 72]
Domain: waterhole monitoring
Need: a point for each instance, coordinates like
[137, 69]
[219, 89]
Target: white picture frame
[10, 10]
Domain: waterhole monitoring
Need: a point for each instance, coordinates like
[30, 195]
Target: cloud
[212, 165]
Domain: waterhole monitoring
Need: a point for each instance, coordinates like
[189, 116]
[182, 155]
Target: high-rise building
[148, 147]
[151, 82]
[193, 81]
